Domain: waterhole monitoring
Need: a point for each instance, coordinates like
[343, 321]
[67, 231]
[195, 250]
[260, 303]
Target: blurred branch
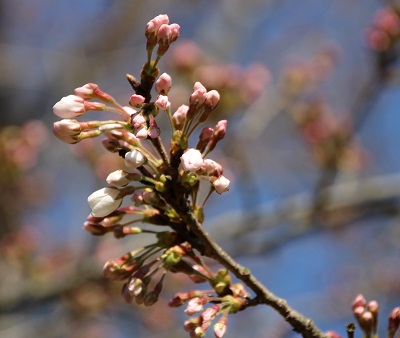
[348, 200]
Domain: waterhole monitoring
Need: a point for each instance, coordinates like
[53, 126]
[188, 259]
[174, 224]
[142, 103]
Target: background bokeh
[312, 153]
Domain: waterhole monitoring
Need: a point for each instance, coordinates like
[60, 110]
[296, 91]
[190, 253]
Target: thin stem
[156, 61]
[120, 110]
[158, 145]
[170, 120]
[208, 196]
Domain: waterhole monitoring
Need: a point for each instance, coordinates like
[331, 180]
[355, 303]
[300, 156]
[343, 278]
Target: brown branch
[300, 324]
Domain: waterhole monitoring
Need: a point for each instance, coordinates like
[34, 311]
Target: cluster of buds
[385, 30]
[366, 315]
[162, 182]
[229, 298]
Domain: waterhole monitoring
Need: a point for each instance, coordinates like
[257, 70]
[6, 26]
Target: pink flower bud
[130, 110]
[192, 160]
[72, 106]
[153, 131]
[175, 31]
[164, 35]
[136, 101]
[195, 305]
[198, 96]
[212, 99]
[67, 131]
[211, 168]
[162, 102]
[373, 307]
[210, 313]
[104, 201]
[163, 84]
[220, 328]
[179, 117]
[206, 134]
[69, 106]
[198, 86]
[87, 91]
[138, 121]
[220, 129]
[221, 184]
[394, 321]
[359, 301]
[366, 322]
[134, 159]
[154, 25]
[142, 133]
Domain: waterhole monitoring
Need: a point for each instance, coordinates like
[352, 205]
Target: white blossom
[104, 201]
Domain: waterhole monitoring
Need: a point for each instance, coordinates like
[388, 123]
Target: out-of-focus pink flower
[104, 201]
[163, 84]
[388, 20]
[162, 102]
[185, 55]
[378, 39]
[192, 160]
[221, 184]
[73, 106]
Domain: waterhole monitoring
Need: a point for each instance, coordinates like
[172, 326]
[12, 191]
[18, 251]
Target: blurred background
[311, 92]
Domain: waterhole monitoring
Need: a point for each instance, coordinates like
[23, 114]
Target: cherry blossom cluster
[159, 183]
[219, 306]
[385, 30]
[366, 315]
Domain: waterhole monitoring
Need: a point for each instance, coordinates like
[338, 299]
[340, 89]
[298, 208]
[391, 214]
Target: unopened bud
[359, 301]
[104, 201]
[394, 321]
[221, 184]
[136, 100]
[163, 84]
[134, 159]
[119, 178]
